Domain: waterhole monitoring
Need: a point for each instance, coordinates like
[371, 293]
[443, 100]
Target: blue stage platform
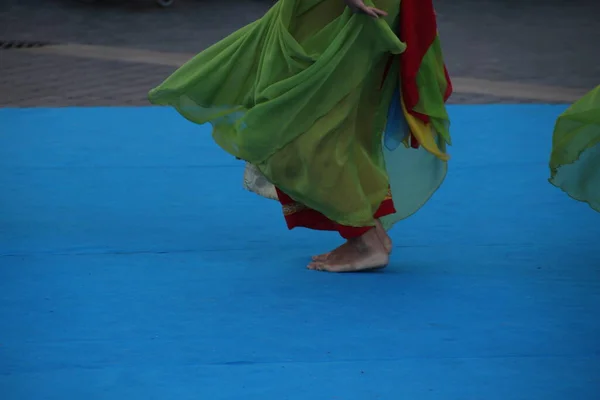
[133, 266]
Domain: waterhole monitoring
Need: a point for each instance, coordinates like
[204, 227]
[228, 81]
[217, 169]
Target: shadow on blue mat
[134, 266]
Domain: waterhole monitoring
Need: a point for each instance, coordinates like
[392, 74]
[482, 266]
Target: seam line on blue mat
[296, 363]
[246, 248]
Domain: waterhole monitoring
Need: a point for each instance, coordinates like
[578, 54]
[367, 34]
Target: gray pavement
[491, 47]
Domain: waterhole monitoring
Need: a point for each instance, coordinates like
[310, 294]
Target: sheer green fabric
[575, 159]
[299, 94]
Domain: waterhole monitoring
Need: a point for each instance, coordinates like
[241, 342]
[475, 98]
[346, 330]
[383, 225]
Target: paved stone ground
[30, 80]
[548, 42]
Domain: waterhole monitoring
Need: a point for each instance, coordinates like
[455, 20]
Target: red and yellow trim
[297, 215]
[419, 38]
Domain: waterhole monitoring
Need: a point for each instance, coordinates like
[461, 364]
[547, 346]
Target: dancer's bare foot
[383, 236]
[324, 256]
[360, 254]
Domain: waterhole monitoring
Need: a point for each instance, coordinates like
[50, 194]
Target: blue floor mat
[134, 266]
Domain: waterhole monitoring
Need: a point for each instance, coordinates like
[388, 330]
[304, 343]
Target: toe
[320, 257]
[318, 266]
[313, 266]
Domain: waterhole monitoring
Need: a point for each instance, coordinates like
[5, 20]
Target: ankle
[370, 239]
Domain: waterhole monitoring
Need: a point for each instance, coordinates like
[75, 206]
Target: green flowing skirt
[575, 159]
[300, 95]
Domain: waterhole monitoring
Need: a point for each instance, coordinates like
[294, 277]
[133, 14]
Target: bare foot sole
[366, 253]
